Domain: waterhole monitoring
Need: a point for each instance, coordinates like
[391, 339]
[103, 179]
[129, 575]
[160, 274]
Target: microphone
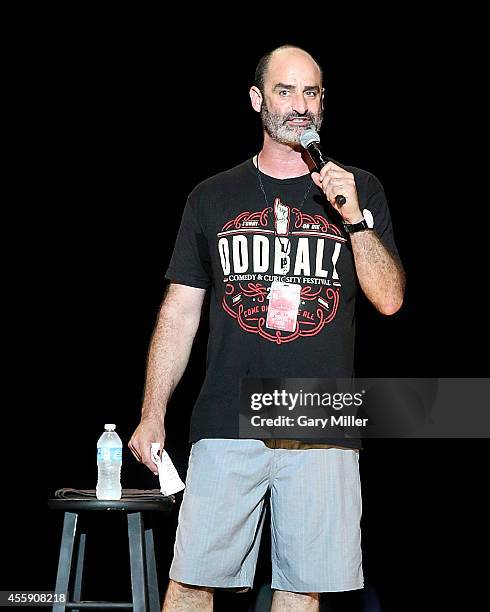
[310, 140]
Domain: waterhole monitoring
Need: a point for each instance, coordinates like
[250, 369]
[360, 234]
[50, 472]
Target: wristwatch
[366, 223]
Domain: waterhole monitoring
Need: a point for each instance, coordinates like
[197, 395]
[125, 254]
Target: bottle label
[109, 454]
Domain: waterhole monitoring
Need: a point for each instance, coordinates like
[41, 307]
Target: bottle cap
[109, 427]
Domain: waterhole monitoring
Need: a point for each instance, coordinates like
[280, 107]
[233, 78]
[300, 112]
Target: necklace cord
[307, 191]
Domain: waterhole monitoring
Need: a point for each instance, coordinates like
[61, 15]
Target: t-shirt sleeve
[190, 263]
[378, 206]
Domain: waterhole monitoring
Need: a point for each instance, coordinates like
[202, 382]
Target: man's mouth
[301, 121]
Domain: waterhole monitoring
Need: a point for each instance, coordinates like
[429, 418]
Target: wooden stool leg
[136, 556]
[66, 553]
[151, 569]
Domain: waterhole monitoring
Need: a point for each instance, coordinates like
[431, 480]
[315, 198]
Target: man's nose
[300, 104]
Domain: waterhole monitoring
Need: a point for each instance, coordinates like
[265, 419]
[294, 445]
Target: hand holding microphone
[333, 179]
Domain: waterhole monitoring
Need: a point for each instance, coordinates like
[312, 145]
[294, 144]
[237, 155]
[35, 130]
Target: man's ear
[255, 98]
[323, 96]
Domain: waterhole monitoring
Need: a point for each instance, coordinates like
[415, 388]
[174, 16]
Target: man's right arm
[168, 356]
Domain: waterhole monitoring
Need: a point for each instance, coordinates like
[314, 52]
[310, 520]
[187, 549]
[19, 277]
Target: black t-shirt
[234, 243]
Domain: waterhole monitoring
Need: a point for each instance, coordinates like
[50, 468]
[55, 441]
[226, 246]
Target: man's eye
[283, 92]
[311, 94]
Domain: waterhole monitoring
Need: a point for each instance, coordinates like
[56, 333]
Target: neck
[283, 161]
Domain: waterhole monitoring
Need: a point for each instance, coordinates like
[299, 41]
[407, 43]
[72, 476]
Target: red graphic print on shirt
[280, 243]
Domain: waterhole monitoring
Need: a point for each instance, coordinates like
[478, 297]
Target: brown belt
[297, 445]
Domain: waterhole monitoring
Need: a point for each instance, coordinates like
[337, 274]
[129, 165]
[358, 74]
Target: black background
[113, 124]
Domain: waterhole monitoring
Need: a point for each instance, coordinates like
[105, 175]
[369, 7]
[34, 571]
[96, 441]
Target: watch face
[368, 216]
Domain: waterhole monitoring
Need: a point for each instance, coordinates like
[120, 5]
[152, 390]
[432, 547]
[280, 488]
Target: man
[241, 230]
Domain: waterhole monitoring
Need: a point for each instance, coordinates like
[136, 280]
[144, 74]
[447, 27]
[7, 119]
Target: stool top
[132, 500]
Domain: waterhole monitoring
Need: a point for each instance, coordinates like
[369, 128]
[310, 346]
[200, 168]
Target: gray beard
[281, 132]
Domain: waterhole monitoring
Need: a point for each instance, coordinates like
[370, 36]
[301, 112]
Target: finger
[339, 182]
[151, 466]
[324, 173]
[332, 188]
[315, 177]
[336, 178]
[134, 451]
[335, 183]
[333, 192]
[331, 166]
[336, 192]
[148, 461]
[337, 173]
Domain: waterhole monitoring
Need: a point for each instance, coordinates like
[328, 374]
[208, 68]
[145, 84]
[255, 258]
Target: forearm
[168, 356]
[380, 273]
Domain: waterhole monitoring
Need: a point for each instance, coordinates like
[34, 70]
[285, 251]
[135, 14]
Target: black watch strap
[352, 228]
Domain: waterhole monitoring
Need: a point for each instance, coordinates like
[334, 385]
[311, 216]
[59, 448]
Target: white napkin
[170, 481]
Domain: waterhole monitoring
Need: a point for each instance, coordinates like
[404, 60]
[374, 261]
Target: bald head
[281, 57]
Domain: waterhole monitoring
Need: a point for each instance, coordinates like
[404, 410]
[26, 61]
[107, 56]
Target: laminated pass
[170, 481]
[284, 301]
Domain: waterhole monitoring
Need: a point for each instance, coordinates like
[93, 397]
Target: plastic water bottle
[109, 461]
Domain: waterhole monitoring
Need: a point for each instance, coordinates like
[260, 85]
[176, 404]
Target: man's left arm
[379, 271]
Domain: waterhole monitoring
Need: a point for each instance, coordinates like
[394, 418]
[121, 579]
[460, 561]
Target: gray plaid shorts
[315, 505]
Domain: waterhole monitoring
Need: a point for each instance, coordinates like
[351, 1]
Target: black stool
[144, 583]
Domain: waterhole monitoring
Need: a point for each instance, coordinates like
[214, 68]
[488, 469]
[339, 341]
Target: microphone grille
[309, 136]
